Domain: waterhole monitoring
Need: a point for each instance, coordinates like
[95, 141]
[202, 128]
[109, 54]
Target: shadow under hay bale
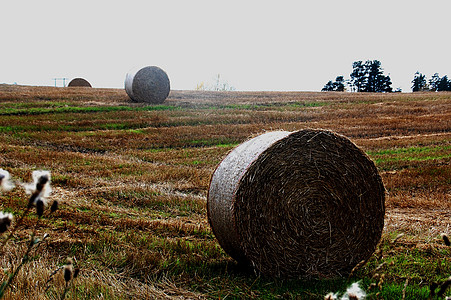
[302, 204]
[79, 82]
[149, 84]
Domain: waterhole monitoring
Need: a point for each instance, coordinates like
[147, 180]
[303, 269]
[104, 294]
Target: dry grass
[132, 179]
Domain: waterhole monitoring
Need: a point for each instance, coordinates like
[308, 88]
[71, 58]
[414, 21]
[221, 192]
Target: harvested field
[132, 181]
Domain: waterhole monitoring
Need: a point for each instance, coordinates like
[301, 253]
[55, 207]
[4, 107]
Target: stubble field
[132, 181]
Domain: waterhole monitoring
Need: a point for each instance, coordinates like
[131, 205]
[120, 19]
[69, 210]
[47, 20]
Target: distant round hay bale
[79, 82]
[302, 204]
[149, 84]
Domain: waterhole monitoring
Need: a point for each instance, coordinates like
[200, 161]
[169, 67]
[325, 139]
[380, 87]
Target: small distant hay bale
[79, 82]
[302, 204]
[149, 84]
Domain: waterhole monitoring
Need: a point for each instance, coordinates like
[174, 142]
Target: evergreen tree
[338, 85]
[433, 82]
[374, 76]
[358, 76]
[419, 82]
[368, 77]
[328, 87]
[444, 84]
[383, 84]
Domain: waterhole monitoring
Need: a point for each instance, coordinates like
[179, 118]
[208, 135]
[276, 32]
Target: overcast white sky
[253, 45]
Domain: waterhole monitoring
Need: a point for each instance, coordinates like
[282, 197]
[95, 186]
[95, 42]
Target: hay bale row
[149, 84]
[302, 204]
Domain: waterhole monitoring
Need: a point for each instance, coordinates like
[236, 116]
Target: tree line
[435, 84]
[369, 76]
[365, 77]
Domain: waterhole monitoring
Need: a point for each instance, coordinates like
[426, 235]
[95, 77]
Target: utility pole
[59, 79]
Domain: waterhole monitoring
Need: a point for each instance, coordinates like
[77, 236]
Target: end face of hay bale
[149, 84]
[309, 204]
[79, 82]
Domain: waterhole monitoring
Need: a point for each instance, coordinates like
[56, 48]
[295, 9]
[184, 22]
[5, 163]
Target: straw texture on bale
[79, 82]
[302, 204]
[149, 84]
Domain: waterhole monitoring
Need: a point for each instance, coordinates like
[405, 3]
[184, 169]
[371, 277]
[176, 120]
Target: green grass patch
[80, 109]
[221, 142]
[307, 104]
[411, 158]
[229, 145]
[395, 291]
[401, 260]
[411, 154]
[409, 150]
[131, 127]
[14, 105]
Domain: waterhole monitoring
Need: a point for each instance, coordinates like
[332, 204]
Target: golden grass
[132, 183]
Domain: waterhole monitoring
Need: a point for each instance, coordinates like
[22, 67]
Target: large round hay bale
[79, 82]
[149, 84]
[302, 204]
